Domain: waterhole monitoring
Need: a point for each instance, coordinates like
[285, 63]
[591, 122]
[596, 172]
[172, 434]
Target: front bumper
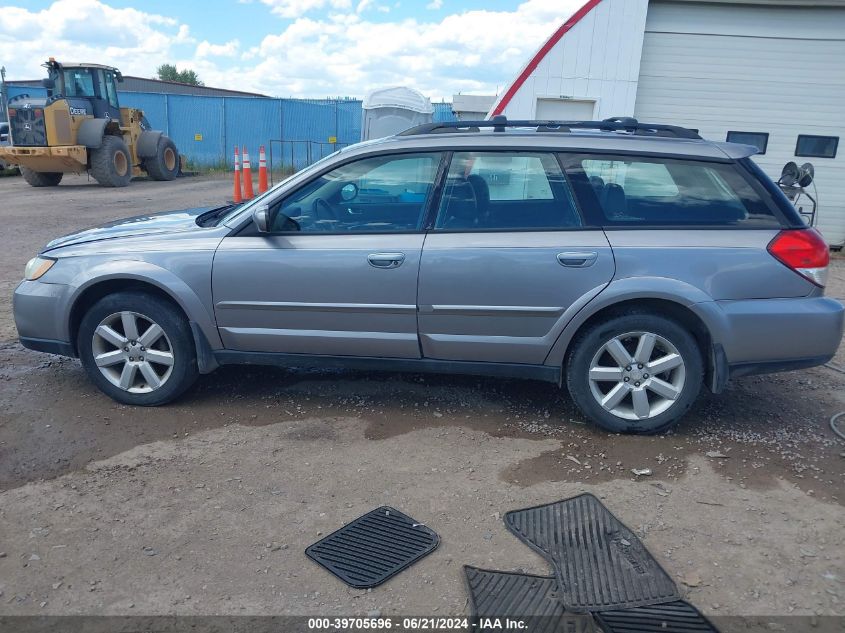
[41, 316]
[63, 158]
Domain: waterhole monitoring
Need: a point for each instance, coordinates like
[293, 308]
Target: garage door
[775, 71]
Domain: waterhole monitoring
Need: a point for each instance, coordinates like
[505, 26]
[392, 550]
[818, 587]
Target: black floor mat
[524, 597]
[374, 547]
[673, 617]
[599, 562]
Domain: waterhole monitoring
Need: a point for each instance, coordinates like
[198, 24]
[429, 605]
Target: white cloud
[474, 51]
[86, 31]
[341, 54]
[207, 49]
[434, 5]
[296, 8]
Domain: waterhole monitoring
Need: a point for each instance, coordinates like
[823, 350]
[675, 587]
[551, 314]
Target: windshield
[78, 82]
[237, 209]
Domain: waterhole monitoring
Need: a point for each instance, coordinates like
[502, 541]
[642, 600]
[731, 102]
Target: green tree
[168, 72]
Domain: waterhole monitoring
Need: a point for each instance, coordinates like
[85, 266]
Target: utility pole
[4, 116]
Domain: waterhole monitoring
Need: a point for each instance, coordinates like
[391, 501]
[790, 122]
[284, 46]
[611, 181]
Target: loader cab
[89, 88]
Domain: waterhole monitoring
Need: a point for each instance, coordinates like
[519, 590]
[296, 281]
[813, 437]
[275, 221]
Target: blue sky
[310, 48]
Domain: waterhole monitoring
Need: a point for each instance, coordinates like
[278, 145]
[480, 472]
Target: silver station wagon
[632, 262]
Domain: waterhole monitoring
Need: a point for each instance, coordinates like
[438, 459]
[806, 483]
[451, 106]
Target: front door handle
[577, 259]
[386, 260]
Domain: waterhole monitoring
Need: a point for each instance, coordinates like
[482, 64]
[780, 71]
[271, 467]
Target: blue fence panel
[196, 126]
[443, 112]
[308, 126]
[251, 122]
[349, 121]
[154, 107]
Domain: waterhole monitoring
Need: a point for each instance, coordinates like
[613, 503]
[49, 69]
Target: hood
[138, 226]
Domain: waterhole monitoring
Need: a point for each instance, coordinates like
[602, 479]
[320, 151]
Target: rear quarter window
[647, 191]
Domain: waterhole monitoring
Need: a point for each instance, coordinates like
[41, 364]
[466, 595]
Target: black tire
[588, 343]
[41, 178]
[184, 370]
[111, 165]
[165, 164]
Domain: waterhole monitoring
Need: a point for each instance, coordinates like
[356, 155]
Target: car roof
[608, 142]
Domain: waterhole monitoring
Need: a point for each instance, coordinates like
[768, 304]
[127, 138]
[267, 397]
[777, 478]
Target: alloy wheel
[132, 352]
[637, 375]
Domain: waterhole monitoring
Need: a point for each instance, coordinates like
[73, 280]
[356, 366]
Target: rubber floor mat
[673, 617]
[599, 563]
[530, 599]
[374, 547]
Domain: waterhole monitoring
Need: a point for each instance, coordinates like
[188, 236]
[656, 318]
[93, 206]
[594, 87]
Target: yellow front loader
[81, 127]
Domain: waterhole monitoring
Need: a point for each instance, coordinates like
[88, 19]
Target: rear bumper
[775, 366]
[772, 335]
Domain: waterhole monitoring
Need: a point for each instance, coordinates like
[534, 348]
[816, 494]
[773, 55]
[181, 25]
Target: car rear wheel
[637, 373]
[135, 348]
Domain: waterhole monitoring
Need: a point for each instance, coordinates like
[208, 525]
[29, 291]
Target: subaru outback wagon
[633, 262]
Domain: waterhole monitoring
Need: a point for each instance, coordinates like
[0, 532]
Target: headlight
[37, 267]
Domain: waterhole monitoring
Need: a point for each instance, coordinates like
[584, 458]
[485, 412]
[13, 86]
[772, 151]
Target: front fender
[90, 133]
[161, 278]
[633, 288]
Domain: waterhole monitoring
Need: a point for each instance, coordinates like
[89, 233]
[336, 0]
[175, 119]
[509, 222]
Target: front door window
[381, 194]
[111, 90]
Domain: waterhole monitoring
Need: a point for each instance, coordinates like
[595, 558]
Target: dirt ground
[206, 506]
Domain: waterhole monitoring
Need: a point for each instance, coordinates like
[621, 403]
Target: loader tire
[110, 163]
[165, 164]
[41, 178]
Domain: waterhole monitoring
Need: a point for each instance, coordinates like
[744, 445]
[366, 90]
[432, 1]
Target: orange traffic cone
[262, 170]
[248, 193]
[236, 194]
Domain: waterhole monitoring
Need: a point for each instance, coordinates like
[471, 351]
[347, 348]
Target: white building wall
[597, 60]
[779, 70]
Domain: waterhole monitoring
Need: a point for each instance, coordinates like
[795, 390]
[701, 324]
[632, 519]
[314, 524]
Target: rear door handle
[386, 260]
[577, 259]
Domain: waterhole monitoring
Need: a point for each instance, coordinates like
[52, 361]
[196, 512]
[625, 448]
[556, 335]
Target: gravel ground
[206, 506]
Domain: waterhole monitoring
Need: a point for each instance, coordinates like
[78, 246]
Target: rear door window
[506, 191]
[645, 191]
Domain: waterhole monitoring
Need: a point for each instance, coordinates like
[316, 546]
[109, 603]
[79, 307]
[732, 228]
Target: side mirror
[48, 83]
[349, 192]
[261, 218]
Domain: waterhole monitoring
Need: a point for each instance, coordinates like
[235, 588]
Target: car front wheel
[637, 373]
[136, 348]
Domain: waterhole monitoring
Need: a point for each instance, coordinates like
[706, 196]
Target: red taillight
[804, 251]
[39, 113]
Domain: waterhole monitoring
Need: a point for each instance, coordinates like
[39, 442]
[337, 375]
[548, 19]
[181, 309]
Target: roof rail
[500, 123]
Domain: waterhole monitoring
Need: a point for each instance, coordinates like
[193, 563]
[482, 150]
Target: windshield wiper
[209, 217]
